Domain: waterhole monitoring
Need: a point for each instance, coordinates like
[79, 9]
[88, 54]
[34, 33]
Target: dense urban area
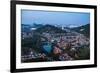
[42, 43]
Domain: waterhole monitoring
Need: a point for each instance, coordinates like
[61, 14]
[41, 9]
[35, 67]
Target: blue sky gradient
[55, 18]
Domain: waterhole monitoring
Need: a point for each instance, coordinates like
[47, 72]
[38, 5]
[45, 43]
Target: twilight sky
[69, 19]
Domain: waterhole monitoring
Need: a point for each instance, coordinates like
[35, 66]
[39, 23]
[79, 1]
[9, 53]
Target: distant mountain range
[85, 29]
[25, 28]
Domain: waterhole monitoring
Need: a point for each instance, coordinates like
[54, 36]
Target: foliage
[86, 29]
[50, 29]
[83, 53]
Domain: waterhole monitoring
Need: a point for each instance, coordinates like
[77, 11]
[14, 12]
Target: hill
[85, 29]
[50, 29]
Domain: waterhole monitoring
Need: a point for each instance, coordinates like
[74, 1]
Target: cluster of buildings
[75, 39]
[62, 41]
